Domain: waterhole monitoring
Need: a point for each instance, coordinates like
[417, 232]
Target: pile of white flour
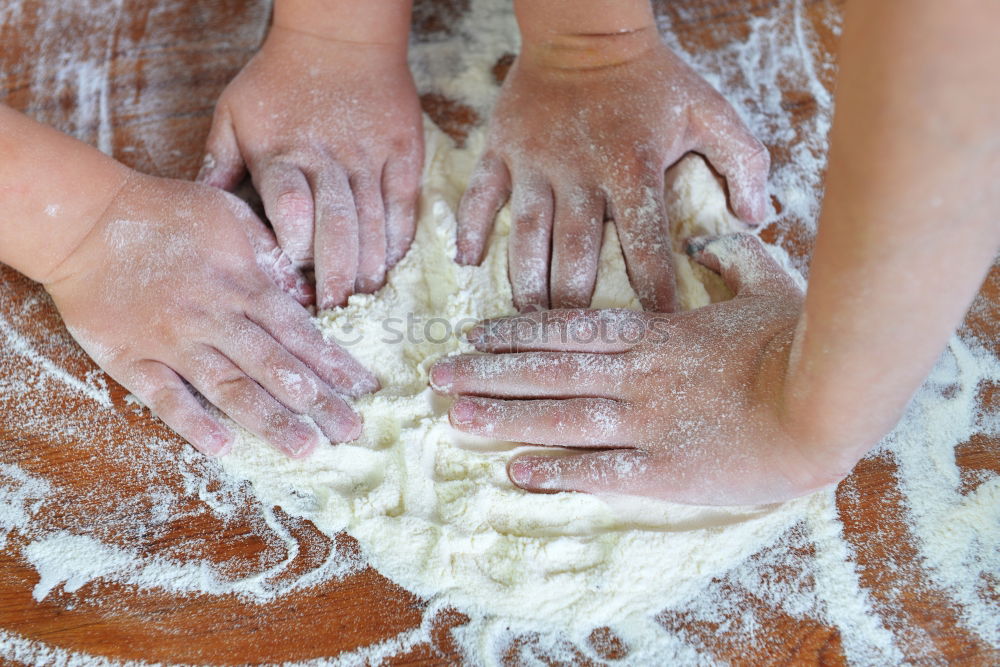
[434, 510]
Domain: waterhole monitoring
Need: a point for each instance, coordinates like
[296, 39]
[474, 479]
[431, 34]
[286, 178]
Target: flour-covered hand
[333, 137]
[180, 288]
[685, 407]
[584, 130]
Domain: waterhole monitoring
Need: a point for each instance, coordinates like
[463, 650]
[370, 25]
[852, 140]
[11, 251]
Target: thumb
[222, 166]
[745, 164]
[271, 259]
[744, 264]
[611, 471]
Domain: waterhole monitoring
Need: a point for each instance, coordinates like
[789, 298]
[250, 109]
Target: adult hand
[686, 407]
[584, 130]
[332, 134]
[180, 284]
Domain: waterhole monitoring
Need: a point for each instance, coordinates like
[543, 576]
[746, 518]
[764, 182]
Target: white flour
[434, 511]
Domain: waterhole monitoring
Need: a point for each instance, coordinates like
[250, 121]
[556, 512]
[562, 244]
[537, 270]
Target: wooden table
[166, 63]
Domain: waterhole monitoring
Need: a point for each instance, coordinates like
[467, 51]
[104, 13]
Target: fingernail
[302, 442]
[341, 425]
[476, 335]
[462, 412]
[354, 428]
[363, 385]
[218, 443]
[519, 472]
[207, 165]
[696, 244]
[330, 303]
[304, 293]
[372, 385]
[442, 375]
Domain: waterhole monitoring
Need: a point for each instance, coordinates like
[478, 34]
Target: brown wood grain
[167, 63]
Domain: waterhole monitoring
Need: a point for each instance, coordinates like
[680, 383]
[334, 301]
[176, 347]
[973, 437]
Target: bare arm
[52, 190]
[911, 217]
[171, 285]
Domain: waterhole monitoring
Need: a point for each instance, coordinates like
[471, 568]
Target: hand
[333, 135]
[178, 284]
[573, 142]
[685, 407]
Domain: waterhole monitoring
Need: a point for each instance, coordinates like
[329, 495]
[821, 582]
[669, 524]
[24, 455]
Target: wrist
[381, 24]
[811, 455]
[829, 438]
[106, 191]
[589, 52]
[585, 34]
[53, 190]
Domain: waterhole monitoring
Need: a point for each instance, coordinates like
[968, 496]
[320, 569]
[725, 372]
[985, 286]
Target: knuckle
[531, 216]
[372, 212]
[479, 200]
[234, 388]
[163, 399]
[294, 204]
[576, 247]
[301, 390]
[402, 145]
[338, 209]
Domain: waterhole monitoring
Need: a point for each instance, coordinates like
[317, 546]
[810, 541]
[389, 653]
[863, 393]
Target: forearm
[377, 22]
[585, 33]
[910, 222]
[53, 188]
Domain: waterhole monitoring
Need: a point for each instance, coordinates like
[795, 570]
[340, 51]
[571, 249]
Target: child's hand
[179, 284]
[684, 407]
[333, 137]
[584, 130]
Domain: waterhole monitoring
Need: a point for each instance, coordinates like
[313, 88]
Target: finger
[371, 232]
[232, 391]
[336, 243]
[288, 380]
[222, 166]
[401, 191]
[530, 243]
[489, 188]
[272, 260]
[531, 375]
[641, 220]
[288, 202]
[745, 164]
[166, 395]
[744, 263]
[291, 325]
[576, 247]
[575, 422]
[601, 331]
[591, 472]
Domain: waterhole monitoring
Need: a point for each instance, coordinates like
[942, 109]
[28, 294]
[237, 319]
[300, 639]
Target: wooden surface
[166, 64]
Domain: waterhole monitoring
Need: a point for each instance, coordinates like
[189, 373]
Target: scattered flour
[433, 510]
